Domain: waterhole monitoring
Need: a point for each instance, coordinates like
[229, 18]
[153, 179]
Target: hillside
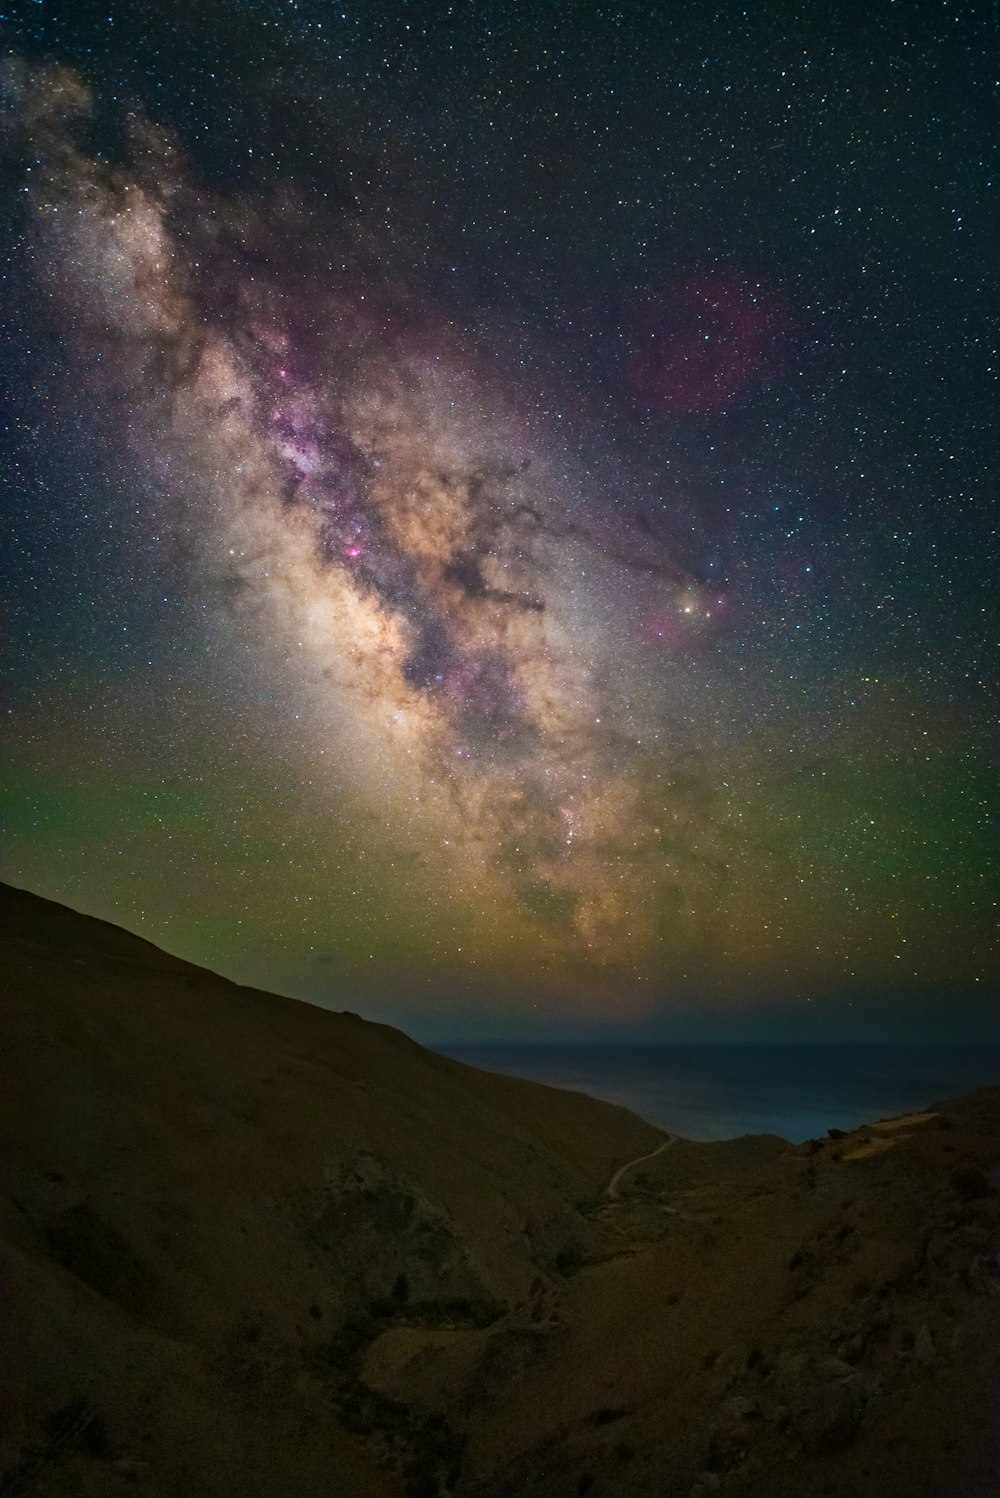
[252, 1247]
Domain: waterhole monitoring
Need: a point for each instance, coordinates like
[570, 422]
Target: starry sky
[500, 514]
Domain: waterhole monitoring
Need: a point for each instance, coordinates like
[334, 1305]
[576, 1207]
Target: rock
[832, 1420]
[969, 1183]
[982, 1274]
[923, 1347]
[735, 1428]
[852, 1349]
[837, 1133]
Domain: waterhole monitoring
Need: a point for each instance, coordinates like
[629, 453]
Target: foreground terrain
[251, 1247]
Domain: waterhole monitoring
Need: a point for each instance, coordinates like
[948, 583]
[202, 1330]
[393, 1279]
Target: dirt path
[612, 1192]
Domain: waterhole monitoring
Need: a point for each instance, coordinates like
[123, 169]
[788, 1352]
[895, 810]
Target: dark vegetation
[73, 1425]
[425, 1448]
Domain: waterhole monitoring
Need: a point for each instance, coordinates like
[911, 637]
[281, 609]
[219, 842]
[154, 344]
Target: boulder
[834, 1414]
[923, 1347]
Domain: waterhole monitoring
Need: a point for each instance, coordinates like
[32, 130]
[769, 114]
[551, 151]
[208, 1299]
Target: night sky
[500, 503]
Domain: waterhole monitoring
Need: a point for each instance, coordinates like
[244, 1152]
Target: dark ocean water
[720, 1092]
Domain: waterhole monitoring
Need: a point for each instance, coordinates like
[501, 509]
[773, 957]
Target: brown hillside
[252, 1247]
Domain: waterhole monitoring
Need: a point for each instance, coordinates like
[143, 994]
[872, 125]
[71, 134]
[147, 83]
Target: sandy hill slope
[251, 1247]
[202, 1187]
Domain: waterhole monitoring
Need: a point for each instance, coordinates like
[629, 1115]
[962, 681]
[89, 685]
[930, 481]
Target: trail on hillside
[612, 1190]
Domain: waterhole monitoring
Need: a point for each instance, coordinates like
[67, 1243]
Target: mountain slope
[252, 1247]
[201, 1186]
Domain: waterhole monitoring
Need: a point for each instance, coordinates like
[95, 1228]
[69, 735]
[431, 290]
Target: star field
[501, 505]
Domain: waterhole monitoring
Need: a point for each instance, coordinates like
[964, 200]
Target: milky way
[518, 731]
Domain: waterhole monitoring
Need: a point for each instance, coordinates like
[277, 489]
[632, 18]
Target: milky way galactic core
[582, 633]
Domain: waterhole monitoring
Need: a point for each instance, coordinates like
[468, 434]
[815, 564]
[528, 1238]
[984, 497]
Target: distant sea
[721, 1092]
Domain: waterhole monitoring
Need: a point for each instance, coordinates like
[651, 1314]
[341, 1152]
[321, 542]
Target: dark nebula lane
[498, 506]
